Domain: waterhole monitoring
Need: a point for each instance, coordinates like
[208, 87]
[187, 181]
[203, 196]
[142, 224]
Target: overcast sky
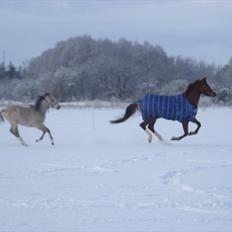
[198, 29]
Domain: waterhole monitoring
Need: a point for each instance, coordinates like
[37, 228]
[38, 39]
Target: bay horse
[31, 116]
[182, 108]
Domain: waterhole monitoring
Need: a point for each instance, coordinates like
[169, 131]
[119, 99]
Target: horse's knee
[148, 122]
[14, 132]
[151, 126]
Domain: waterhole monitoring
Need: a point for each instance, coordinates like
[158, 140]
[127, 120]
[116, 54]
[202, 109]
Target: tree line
[83, 68]
[10, 71]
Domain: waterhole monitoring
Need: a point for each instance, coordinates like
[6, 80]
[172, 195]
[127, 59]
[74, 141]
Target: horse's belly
[25, 123]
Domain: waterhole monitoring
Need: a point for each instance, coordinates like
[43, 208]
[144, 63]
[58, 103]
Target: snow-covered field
[103, 177]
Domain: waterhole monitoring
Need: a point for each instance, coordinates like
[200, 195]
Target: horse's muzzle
[212, 94]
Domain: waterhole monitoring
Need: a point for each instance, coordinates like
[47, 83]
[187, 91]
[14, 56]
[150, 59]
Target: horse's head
[205, 88]
[197, 88]
[51, 101]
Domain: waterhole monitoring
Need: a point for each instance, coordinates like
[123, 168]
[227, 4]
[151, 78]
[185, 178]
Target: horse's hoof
[192, 133]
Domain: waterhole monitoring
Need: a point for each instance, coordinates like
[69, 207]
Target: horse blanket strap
[169, 107]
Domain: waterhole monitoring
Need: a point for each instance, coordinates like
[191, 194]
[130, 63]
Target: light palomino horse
[32, 116]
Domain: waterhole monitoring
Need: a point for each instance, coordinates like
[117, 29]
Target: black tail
[130, 110]
[1, 117]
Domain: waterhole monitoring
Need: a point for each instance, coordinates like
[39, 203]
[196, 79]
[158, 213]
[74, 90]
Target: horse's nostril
[213, 94]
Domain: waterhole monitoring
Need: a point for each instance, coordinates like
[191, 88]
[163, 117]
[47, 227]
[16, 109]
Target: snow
[103, 177]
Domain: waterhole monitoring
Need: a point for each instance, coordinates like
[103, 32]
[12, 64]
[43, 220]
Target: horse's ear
[204, 78]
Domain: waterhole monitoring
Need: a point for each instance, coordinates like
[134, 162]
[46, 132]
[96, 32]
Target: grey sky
[198, 29]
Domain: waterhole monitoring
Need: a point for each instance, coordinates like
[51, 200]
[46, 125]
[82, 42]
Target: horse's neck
[43, 108]
[193, 96]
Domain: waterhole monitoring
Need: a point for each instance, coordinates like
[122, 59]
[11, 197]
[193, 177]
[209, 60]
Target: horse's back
[174, 107]
[17, 109]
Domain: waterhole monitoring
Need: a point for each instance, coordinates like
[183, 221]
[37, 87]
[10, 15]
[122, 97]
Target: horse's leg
[45, 130]
[14, 130]
[185, 128]
[149, 134]
[198, 126]
[151, 128]
[144, 125]
[41, 137]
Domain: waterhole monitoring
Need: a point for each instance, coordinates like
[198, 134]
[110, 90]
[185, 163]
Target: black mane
[38, 103]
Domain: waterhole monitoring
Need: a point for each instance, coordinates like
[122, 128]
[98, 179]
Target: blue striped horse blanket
[169, 107]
